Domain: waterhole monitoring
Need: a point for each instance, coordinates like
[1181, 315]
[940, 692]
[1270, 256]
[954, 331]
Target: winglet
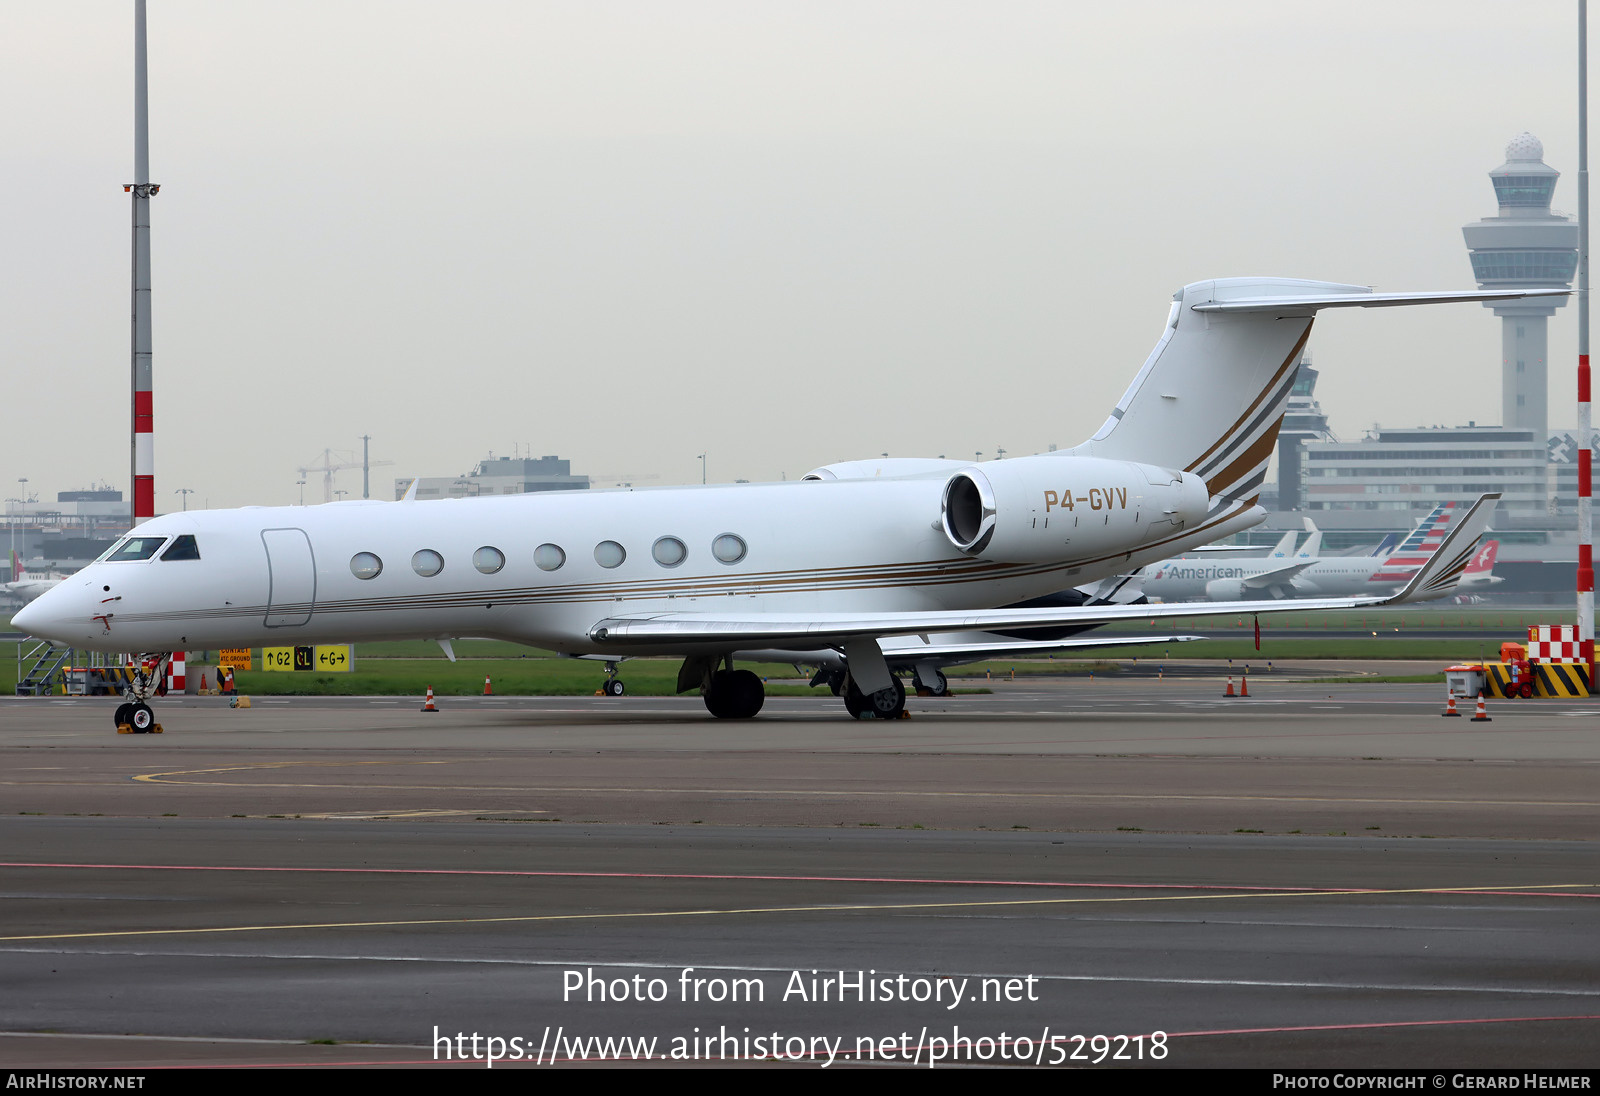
[1439, 575]
[411, 492]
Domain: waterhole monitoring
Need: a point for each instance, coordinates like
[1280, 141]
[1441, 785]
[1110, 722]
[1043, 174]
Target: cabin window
[488, 560]
[669, 551]
[366, 565]
[608, 553]
[182, 548]
[549, 557]
[427, 563]
[135, 548]
[729, 548]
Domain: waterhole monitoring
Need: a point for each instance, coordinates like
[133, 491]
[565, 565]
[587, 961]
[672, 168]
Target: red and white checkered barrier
[1554, 643]
[175, 675]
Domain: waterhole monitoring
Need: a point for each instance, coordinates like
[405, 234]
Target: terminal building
[499, 476]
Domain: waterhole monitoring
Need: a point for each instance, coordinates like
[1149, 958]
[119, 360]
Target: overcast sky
[781, 234]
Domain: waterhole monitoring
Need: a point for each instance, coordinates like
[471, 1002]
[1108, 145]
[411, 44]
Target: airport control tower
[1525, 245]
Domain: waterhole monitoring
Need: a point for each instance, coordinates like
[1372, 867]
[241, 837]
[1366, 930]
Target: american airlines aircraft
[1304, 575]
[847, 560]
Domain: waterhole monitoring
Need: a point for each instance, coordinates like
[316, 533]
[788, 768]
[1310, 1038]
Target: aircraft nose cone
[43, 616]
[26, 620]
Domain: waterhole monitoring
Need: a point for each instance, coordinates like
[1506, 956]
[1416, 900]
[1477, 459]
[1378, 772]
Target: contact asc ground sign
[339, 658]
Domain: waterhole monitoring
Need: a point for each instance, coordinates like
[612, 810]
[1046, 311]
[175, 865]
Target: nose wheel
[136, 719]
[135, 716]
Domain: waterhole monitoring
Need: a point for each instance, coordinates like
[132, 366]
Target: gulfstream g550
[848, 560]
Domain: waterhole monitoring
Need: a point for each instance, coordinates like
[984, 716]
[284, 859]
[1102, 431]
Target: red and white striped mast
[143, 440]
[1585, 425]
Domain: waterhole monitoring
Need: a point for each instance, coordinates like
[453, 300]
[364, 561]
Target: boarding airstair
[44, 661]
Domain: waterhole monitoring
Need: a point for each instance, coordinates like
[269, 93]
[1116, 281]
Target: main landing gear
[613, 684]
[734, 694]
[930, 681]
[728, 693]
[884, 704]
[134, 716]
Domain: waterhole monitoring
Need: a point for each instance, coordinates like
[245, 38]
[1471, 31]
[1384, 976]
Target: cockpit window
[136, 548]
[103, 556]
[183, 547]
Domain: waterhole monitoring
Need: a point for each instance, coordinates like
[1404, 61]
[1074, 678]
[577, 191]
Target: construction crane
[334, 461]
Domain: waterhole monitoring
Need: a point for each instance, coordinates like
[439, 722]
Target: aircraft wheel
[123, 711]
[614, 687]
[883, 704]
[941, 684]
[142, 718]
[735, 694]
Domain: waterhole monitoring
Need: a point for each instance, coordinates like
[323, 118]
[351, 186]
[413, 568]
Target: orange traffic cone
[1450, 707]
[203, 685]
[1244, 686]
[1230, 691]
[427, 705]
[1483, 712]
[487, 691]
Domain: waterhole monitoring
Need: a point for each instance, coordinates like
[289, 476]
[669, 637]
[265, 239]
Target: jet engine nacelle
[1057, 507]
[1227, 589]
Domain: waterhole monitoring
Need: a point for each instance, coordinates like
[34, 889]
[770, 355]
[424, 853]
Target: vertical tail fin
[1212, 394]
[1284, 548]
[1420, 544]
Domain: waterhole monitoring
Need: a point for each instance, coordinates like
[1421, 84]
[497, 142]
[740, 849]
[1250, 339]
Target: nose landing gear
[135, 716]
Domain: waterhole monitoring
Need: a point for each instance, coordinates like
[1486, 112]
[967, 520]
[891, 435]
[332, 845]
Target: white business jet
[846, 560]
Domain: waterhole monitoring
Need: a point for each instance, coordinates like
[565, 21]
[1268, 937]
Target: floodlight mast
[142, 453]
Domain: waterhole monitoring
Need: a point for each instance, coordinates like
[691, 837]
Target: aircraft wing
[1436, 578]
[1280, 577]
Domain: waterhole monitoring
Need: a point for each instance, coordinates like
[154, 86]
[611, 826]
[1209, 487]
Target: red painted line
[665, 875]
[1388, 1024]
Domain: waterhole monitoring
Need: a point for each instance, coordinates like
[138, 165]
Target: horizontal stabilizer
[1305, 304]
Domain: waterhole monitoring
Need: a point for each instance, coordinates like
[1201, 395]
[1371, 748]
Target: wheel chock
[155, 728]
[239, 702]
[125, 728]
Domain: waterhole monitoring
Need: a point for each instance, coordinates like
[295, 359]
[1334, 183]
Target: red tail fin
[1483, 561]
